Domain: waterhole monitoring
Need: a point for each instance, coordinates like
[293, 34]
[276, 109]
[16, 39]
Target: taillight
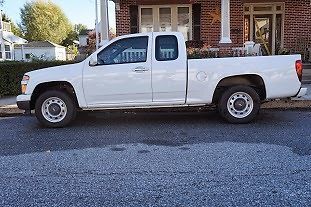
[299, 69]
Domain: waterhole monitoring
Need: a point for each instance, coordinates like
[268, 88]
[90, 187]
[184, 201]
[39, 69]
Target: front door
[122, 75]
[263, 24]
[263, 32]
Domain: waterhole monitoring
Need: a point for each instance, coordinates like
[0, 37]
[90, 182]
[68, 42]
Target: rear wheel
[55, 109]
[239, 104]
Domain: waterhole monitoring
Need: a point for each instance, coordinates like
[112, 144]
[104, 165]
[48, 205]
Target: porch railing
[133, 55]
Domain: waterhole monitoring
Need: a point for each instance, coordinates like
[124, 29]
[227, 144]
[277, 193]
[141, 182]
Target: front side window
[166, 48]
[129, 50]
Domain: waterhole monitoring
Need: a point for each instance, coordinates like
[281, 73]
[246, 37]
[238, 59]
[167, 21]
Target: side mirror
[93, 61]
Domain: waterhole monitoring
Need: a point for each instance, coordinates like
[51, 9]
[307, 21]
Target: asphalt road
[157, 159]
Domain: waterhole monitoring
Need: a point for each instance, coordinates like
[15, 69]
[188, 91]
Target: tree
[92, 40]
[79, 27]
[73, 34]
[44, 21]
[16, 30]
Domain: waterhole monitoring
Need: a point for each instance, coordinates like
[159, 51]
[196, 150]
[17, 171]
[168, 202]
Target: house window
[146, 20]
[264, 24]
[184, 22]
[28, 56]
[166, 18]
[8, 54]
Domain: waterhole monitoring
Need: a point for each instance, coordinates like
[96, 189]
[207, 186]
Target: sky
[77, 11]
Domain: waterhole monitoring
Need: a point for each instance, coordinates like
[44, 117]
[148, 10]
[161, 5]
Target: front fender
[71, 74]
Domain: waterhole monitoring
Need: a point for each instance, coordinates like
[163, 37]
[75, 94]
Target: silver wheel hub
[240, 105]
[54, 109]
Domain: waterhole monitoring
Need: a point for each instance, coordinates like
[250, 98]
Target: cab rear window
[166, 48]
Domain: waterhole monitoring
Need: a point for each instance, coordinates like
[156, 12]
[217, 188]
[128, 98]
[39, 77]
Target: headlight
[24, 83]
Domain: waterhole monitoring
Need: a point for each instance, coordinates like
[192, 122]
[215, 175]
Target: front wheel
[55, 109]
[239, 104]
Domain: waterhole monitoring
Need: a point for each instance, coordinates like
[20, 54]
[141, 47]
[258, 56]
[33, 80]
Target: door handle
[140, 69]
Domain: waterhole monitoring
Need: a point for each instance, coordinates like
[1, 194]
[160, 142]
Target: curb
[288, 104]
[10, 111]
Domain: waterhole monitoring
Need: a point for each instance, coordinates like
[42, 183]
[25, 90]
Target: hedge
[11, 74]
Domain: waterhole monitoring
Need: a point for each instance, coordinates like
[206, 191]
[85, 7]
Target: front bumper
[23, 102]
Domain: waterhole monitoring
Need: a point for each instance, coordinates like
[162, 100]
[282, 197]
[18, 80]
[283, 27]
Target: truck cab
[147, 69]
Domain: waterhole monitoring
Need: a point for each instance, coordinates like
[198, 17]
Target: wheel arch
[64, 86]
[253, 80]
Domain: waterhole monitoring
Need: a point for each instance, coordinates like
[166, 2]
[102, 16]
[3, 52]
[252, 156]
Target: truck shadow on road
[23, 135]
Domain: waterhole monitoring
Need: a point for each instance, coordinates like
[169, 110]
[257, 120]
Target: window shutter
[133, 19]
[196, 15]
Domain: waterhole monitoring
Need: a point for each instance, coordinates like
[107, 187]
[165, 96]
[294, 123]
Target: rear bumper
[302, 92]
[23, 102]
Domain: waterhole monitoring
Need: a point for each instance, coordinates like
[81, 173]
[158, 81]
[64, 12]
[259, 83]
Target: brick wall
[297, 28]
[123, 17]
[297, 20]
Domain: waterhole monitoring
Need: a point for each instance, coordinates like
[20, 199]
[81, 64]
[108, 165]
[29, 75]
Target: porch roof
[10, 37]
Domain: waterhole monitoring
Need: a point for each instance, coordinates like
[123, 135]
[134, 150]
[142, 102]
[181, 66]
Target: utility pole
[96, 25]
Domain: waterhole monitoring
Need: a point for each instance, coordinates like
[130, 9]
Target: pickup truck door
[122, 75]
[169, 69]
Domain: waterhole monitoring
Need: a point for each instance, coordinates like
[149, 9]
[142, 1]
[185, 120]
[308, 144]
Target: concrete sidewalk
[308, 96]
[8, 102]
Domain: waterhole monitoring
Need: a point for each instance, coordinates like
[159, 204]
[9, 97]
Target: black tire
[65, 119]
[226, 108]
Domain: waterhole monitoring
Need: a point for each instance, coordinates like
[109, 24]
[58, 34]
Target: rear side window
[166, 48]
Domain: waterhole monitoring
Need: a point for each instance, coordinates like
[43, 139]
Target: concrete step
[307, 66]
[306, 76]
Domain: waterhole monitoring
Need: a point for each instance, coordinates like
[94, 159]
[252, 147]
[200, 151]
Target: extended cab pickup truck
[151, 70]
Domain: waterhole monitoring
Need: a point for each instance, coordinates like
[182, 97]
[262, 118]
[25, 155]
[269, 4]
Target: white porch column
[104, 23]
[225, 22]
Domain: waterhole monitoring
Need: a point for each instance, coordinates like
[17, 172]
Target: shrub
[11, 73]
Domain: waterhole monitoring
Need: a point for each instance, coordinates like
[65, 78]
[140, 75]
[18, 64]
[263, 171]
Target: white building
[84, 37]
[8, 41]
[40, 50]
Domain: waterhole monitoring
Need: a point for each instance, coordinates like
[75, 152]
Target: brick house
[275, 24]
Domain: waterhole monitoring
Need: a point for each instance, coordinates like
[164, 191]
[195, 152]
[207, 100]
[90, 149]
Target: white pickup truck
[151, 70]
